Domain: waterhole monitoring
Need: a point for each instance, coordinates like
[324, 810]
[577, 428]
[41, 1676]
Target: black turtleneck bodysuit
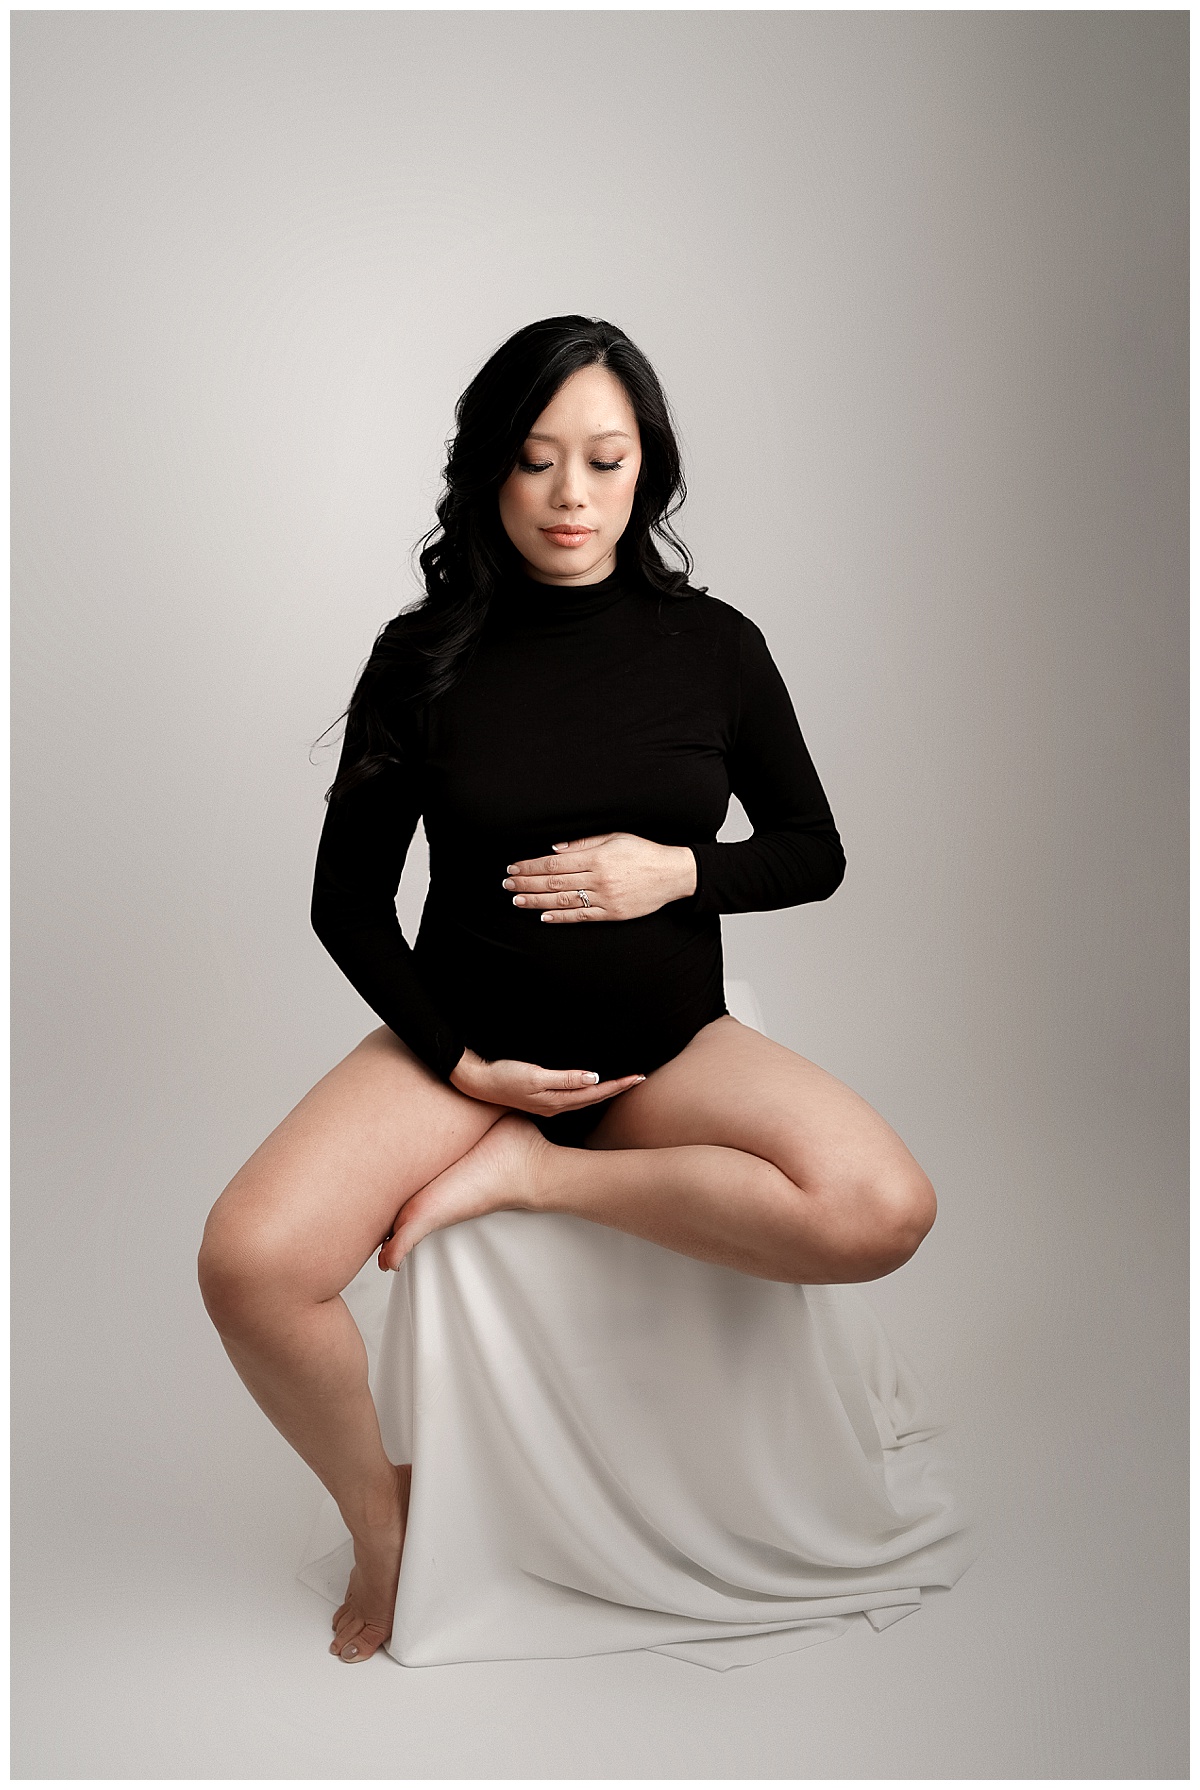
[601, 708]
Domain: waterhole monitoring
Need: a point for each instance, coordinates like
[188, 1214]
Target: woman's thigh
[319, 1195]
[731, 1085]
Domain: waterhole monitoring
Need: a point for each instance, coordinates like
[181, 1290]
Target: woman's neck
[529, 599]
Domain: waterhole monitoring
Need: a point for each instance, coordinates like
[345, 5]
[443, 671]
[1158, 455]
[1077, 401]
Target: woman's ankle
[371, 1511]
[545, 1167]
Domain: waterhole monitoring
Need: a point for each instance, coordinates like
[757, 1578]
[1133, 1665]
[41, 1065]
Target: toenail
[349, 1652]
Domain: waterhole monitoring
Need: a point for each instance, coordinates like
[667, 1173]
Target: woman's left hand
[621, 875]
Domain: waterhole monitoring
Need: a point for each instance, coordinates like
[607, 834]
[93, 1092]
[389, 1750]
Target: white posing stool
[615, 1446]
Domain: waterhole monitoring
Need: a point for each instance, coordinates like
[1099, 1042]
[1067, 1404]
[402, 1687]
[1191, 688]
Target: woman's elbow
[324, 918]
[836, 872]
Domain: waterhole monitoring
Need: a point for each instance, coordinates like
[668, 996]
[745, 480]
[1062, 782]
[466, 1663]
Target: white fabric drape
[615, 1446]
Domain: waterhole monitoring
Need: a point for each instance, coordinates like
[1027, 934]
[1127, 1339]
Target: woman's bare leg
[737, 1151]
[291, 1230]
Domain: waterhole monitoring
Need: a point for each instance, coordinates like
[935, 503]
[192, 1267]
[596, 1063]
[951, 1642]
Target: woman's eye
[544, 465]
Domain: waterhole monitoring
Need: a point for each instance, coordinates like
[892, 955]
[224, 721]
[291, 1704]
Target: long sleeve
[795, 853]
[360, 855]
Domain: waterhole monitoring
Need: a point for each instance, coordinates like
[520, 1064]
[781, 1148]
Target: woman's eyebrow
[600, 435]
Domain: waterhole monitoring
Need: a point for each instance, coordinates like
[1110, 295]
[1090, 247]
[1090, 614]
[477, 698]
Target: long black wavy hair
[420, 653]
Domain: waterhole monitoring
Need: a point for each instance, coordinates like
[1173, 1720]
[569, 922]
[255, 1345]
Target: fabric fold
[615, 1447]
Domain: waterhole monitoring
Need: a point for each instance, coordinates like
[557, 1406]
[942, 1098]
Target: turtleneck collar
[524, 599]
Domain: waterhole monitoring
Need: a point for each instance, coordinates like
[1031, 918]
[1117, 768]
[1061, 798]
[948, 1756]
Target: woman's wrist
[686, 872]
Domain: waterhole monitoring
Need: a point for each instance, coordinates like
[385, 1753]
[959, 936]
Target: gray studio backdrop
[916, 285]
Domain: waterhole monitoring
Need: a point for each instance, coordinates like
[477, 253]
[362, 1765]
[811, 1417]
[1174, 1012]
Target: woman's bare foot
[501, 1171]
[364, 1621]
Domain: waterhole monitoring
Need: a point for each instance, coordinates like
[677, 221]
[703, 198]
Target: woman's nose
[569, 493]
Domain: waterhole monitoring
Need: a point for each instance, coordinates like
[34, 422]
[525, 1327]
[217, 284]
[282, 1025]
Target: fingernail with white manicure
[591, 1076]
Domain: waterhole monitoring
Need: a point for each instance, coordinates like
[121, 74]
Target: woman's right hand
[530, 1088]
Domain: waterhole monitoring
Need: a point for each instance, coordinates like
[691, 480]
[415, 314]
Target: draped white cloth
[615, 1447]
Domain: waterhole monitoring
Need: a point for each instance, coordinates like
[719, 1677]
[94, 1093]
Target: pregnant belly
[617, 997]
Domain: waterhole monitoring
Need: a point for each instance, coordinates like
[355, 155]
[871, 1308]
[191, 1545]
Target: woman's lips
[568, 537]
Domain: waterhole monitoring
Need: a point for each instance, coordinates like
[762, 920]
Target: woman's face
[566, 503]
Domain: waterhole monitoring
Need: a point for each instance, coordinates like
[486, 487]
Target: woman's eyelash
[542, 465]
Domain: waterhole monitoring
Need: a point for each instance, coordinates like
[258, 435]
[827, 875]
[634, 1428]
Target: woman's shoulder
[389, 679]
[397, 650]
[400, 631]
[716, 616]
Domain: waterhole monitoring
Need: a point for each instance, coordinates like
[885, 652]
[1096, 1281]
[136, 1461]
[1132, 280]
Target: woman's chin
[568, 565]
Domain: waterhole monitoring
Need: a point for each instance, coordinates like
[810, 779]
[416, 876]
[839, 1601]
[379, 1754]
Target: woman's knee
[900, 1209]
[243, 1266]
[871, 1228]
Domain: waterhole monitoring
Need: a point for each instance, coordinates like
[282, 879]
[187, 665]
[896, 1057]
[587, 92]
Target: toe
[347, 1625]
[364, 1643]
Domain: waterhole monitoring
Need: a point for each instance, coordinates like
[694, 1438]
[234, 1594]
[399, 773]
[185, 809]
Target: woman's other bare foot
[364, 1621]
[501, 1171]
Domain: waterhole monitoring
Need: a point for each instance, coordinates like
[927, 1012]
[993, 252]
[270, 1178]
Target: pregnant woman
[568, 716]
